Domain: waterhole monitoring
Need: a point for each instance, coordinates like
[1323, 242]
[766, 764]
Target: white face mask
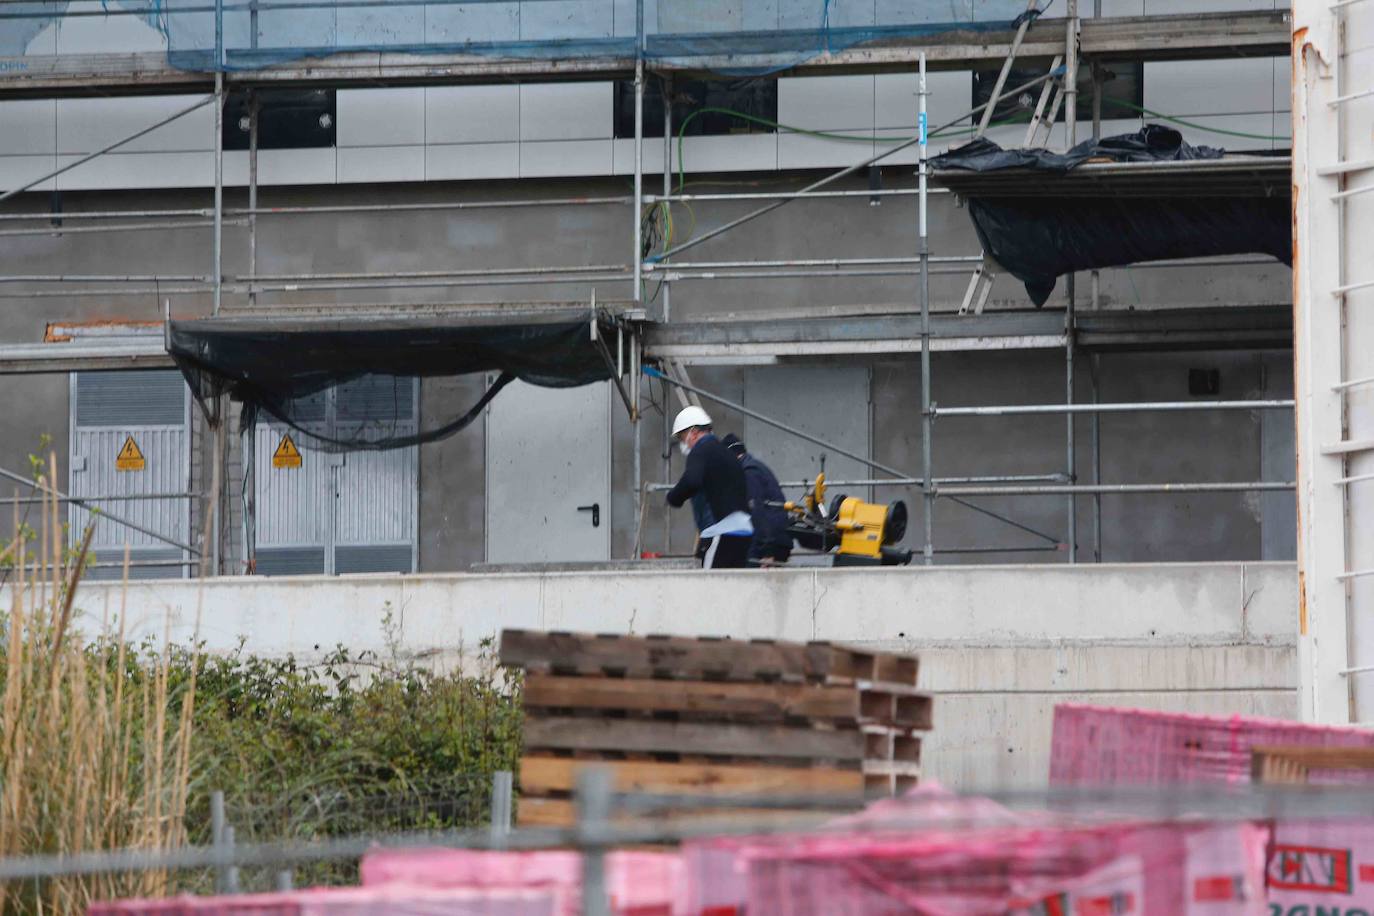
[684, 448]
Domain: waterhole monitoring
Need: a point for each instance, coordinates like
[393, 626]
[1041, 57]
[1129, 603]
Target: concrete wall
[999, 645]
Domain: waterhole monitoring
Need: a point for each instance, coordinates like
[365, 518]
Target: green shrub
[350, 745]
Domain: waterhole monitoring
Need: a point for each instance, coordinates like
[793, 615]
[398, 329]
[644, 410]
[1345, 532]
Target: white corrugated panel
[152, 408]
[293, 504]
[341, 512]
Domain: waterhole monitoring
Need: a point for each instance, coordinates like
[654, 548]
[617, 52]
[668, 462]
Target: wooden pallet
[707, 659]
[671, 715]
[1293, 765]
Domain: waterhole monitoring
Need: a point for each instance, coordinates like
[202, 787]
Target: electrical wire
[1193, 124]
[948, 131]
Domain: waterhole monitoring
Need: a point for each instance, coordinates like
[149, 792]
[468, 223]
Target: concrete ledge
[899, 608]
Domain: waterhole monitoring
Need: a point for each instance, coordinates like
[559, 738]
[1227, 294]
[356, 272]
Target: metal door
[375, 493]
[293, 504]
[549, 474]
[831, 403]
[341, 512]
[152, 409]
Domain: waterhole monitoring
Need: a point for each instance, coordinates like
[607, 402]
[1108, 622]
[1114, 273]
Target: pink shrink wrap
[1100, 745]
[638, 883]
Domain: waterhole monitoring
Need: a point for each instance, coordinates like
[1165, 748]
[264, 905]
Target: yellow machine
[855, 532]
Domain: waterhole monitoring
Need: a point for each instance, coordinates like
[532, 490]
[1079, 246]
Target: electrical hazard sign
[286, 455]
[130, 457]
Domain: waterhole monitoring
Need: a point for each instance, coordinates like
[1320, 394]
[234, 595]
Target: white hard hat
[690, 416]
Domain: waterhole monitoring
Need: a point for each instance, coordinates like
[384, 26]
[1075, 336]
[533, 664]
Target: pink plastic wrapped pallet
[1105, 745]
[716, 874]
[639, 883]
[398, 899]
[1129, 870]
[937, 854]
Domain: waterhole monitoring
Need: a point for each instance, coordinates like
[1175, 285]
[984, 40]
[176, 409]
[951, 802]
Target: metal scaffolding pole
[899, 482]
[253, 184]
[636, 415]
[1128, 407]
[1056, 490]
[1071, 134]
[666, 87]
[249, 446]
[637, 256]
[927, 421]
[1094, 368]
[388, 209]
[218, 261]
[866, 193]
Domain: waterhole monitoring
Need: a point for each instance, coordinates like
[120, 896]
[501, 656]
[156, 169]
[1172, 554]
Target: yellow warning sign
[130, 457]
[286, 455]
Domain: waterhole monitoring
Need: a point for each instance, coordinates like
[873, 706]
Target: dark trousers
[724, 551]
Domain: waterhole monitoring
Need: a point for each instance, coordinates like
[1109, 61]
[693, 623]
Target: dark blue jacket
[713, 481]
[770, 524]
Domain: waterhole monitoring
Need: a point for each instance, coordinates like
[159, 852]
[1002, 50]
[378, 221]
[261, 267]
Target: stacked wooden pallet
[675, 715]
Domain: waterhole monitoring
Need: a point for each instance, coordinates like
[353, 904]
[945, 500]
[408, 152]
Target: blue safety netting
[744, 36]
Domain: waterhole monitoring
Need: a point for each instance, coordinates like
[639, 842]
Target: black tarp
[1039, 237]
[279, 367]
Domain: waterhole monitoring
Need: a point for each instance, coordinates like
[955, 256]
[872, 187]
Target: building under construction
[269, 269]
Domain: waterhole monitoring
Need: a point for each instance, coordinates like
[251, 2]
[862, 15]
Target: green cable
[828, 135]
[1192, 124]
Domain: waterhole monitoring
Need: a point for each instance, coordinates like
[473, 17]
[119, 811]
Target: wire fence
[607, 819]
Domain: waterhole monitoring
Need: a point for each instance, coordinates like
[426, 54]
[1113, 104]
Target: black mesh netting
[352, 384]
[1038, 236]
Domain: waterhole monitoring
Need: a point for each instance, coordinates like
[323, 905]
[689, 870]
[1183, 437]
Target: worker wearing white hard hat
[714, 481]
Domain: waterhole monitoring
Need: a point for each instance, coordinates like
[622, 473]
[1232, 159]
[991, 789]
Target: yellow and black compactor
[851, 531]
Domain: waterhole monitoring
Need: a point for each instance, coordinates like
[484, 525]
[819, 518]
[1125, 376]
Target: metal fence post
[231, 872]
[502, 786]
[217, 836]
[593, 798]
[286, 880]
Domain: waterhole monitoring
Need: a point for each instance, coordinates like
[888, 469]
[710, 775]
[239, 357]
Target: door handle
[595, 510]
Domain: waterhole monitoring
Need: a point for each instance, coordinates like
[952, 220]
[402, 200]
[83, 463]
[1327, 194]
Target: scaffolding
[656, 338]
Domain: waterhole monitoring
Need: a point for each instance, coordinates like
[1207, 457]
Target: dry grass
[95, 745]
